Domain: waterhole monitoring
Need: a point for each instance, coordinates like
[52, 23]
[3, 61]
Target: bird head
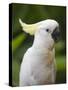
[46, 30]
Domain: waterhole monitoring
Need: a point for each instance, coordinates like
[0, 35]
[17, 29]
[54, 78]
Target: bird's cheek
[43, 33]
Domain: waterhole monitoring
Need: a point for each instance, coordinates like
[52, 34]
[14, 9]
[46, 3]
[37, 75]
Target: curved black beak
[56, 35]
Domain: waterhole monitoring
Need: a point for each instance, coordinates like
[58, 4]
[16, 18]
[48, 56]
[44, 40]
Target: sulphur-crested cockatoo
[38, 65]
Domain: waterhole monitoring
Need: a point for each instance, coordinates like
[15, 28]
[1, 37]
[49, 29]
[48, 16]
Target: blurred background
[22, 41]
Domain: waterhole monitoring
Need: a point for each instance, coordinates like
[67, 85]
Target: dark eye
[47, 30]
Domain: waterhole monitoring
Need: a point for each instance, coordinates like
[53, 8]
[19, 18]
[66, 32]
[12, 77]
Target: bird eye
[47, 30]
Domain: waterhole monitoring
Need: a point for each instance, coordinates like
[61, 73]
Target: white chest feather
[37, 68]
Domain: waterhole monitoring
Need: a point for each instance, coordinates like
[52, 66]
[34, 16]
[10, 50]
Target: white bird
[38, 65]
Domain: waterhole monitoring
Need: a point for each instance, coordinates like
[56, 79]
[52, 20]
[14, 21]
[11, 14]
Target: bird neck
[42, 43]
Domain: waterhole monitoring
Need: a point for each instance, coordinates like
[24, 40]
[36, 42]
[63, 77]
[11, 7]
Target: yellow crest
[28, 28]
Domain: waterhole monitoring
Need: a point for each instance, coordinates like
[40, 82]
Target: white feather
[38, 64]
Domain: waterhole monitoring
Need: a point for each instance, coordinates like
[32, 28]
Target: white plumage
[38, 64]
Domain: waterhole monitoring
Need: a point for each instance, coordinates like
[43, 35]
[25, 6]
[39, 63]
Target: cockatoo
[38, 65]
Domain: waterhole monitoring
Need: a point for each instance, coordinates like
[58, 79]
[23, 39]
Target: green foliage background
[22, 41]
